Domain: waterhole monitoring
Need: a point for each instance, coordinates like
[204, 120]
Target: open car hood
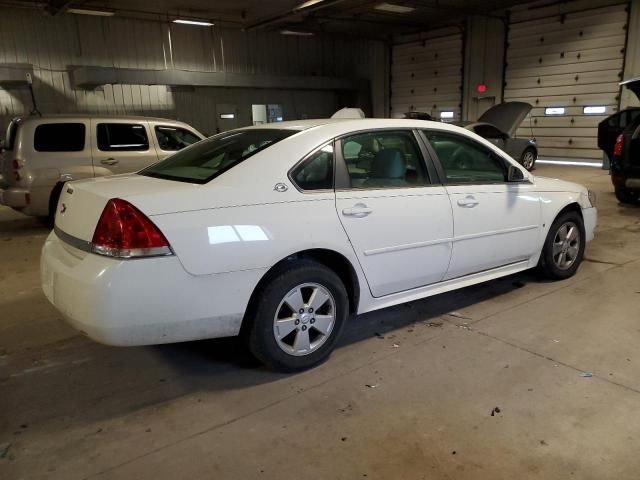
[506, 116]
[633, 85]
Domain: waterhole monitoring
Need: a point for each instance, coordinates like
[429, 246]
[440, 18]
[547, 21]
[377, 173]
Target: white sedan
[280, 232]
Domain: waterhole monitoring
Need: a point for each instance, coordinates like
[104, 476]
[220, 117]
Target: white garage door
[426, 76]
[568, 67]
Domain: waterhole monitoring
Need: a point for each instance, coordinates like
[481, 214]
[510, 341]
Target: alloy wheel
[304, 319]
[566, 245]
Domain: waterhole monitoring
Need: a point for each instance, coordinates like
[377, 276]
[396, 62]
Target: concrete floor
[74, 409]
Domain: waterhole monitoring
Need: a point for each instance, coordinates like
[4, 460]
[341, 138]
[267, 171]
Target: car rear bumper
[590, 218]
[14, 197]
[144, 301]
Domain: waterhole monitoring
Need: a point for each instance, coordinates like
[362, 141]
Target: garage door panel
[585, 154]
[571, 79]
[426, 75]
[531, 67]
[614, 40]
[560, 37]
[572, 61]
[582, 9]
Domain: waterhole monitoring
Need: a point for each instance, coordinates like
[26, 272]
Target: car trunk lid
[506, 116]
[633, 84]
[81, 203]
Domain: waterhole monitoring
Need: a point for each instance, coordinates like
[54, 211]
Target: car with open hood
[499, 125]
[619, 138]
[280, 233]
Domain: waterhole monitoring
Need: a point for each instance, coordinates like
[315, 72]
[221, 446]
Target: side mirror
[515, 174]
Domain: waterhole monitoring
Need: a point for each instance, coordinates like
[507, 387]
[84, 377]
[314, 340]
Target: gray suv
[40, 154]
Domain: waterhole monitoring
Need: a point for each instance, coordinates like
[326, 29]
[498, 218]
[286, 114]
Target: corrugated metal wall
[426, 75]
[571, 60]
[54, 44]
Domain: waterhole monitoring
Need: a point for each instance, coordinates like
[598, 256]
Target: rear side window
[122, 137]
[59, 137]
[315, 172]
[174, 138]
[204, 161]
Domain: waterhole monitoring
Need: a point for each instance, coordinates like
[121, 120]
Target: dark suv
[619, 137]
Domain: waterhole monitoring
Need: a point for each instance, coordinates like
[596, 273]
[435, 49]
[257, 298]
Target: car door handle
[109, 161]
[468, 202]
[358, 210]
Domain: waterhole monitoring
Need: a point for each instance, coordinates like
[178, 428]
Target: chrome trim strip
[116, 253]
[428, 243]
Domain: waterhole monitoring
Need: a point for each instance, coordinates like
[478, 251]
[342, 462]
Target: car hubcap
[304, 319]
[566, 245]
[527, 161]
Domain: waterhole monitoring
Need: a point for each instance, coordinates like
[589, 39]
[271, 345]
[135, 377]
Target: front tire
[297, 317]
[528, 159]
[626, 196]
[563, 248]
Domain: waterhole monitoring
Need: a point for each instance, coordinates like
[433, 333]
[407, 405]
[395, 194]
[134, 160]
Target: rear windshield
[205, 160]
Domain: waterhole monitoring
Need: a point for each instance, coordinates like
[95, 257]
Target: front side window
[59, 137]
[465, 161]
[205, 160]
[315, 172]
[174, 138]
[383, 159]
[122, 137]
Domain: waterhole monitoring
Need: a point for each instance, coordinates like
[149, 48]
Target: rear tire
[281, 328]
[528, 159]
[563, 248]
[626, 196]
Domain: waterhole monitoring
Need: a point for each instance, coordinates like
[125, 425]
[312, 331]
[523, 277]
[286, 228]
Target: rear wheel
[626, 196]
[528, 159]
[297, 316]
[563, 248]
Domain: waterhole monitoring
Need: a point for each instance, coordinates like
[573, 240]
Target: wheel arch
[331, 259]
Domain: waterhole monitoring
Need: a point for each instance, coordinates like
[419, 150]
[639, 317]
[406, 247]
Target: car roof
[350, 124]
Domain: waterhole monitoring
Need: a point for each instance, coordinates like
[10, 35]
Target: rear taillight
[123, 231]
[618, 147]
[16, 169]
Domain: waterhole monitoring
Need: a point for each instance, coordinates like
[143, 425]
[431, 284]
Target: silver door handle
[468, 202]
[358, 210]
[109, 161]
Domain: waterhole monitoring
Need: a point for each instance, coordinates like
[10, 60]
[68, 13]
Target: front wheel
[297, 316]
[528, 159]
[563, 248]
[626, 196]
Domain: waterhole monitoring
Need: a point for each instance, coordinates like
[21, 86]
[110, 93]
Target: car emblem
[280, 187]
[63, 208]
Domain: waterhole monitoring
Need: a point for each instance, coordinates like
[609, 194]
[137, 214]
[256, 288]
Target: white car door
[496, 223]
[398, 222]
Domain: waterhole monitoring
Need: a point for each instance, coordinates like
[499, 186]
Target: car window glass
[205, 160]
[122, 137]
[383, 159]
[465, 161]
[59, 137]
[174, 138]
[316, 172]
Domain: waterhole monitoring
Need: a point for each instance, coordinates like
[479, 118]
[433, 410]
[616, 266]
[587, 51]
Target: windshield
[205, 160]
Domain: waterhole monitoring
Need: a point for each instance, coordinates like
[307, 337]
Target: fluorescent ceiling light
[200, 23]
[594, 109]
[393, 8]
[554, 111]
[446, 114]
[84, 11]
[307, 4]
[227, 116]
[573, 164]
[294, 32]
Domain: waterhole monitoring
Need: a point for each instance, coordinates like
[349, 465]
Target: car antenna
[34, 110]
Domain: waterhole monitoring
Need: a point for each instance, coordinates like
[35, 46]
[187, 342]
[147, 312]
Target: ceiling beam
[55, 7]
[284, 16]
